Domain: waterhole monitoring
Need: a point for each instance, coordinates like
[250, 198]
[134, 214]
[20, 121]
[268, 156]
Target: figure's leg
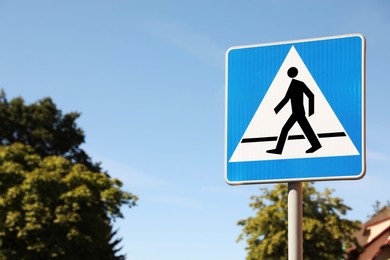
[310, 135]
[283, 136]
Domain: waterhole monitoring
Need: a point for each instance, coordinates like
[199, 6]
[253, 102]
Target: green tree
[43, 127]
[54, 202]
[378, 207]
[325, 232]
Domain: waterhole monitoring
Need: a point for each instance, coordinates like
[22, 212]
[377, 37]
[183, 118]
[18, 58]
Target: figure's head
[292, 72]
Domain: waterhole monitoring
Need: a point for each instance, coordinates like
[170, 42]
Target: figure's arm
[281, 104]
[310, 96]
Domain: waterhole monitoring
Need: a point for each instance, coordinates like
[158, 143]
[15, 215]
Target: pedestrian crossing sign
[295, 111]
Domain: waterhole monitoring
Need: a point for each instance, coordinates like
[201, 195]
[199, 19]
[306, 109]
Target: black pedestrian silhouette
[295, 94]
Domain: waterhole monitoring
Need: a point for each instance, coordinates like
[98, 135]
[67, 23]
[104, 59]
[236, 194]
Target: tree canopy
[54, 202]
[325, 232]
[42, 126]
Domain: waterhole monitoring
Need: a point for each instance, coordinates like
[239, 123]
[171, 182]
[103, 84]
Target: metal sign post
[295, 239]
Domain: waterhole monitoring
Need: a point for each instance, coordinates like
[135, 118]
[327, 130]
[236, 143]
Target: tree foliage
[43, 127]
[378, 207]
[325, 232]
[54, 202]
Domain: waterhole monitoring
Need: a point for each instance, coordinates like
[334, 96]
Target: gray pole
[295, 243]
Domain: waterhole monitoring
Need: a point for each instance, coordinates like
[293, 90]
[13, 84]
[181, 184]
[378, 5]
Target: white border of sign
[363, 149]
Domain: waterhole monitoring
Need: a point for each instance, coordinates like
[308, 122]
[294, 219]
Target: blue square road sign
[295, 111]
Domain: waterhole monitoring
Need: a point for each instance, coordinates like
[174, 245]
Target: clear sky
[148, 78]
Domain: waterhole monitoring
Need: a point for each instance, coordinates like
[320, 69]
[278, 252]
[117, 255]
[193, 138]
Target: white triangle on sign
[266, 125]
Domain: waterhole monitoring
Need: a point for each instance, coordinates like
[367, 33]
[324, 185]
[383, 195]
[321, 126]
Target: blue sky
[148, 78]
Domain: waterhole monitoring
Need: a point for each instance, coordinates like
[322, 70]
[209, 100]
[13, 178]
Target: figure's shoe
[313, 148]
[275, 151]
